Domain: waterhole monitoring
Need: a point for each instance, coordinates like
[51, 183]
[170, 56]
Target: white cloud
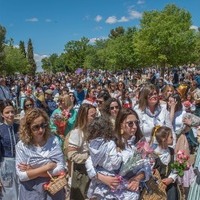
[123, 19]
[48, 20]
[140, 2]
[38, 59]
[194, 27]
[134, 14]
[93, 40]
[98, 18]
[34, 19]
[111, 20]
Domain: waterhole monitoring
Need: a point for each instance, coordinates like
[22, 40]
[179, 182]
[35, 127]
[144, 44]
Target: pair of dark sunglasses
[38, 126]
[114, 107]
[132, 123]
[29, 105]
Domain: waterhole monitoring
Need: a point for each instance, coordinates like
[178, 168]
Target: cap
[48, 91]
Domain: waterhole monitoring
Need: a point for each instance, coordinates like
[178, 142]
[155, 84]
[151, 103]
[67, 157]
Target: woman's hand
[133, 185]
[187, 121]
[51, 165]
[111, 181]
[167, 181]
[24, 167]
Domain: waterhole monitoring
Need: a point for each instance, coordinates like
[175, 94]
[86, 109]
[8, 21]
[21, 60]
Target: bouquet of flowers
[181, 163]
[139, 158]
[60, 120]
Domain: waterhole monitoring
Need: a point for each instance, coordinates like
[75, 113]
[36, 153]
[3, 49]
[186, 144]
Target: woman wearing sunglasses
[8, 140]
[111, 108]
[28, 104]
[151, 113]
[37, 152]
[128, 133]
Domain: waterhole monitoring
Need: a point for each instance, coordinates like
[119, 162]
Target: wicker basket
[156, 189]
[56, 184]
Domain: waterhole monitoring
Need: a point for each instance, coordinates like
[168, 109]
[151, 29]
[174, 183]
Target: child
[104, 155]
[164, 158]
[106, 159]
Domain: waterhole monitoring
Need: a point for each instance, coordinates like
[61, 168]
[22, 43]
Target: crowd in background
[106, 115]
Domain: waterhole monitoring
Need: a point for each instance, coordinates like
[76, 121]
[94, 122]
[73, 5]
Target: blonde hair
[66, 100]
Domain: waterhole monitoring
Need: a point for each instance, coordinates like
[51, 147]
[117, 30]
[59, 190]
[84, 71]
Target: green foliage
[114, 33]
[165, 37]
[76, 52]
[15, 61]
[30, 56]
[22, 48]
[2, 45]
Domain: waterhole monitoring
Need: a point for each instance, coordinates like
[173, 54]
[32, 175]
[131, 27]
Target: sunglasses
[99, 102]
[38, 126]
[29, 105]
[114, 107]
[132, 123]
[71, 95]
[153, 94]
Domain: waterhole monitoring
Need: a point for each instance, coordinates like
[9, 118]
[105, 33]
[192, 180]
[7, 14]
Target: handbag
[56, 183]
[154, 188]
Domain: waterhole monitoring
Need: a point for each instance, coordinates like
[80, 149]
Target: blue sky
[52, 23]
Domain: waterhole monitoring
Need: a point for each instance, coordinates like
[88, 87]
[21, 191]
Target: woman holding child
[121, 146]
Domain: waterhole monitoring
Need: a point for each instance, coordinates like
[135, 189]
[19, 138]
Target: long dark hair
[122, 115]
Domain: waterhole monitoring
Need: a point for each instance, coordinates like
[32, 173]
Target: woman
[151, 113]
[8, 140]
[111, 108]
[65, 105]
[128, 133]
[74, 101]
[91, 96]
[167, 90]
[77, 151]
[36, 153]
[28, 104]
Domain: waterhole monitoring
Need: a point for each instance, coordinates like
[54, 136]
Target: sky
[51, 24]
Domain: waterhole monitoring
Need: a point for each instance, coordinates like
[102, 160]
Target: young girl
[104, 155]
[164, 158]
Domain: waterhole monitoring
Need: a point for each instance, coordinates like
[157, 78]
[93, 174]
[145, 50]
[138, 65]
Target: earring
[122, 131]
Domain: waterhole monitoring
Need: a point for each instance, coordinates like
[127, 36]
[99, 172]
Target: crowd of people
[109, 133]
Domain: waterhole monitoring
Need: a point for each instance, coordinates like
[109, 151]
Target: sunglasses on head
[114, 107]
[38, 126]
[29, 105]
[132, 123]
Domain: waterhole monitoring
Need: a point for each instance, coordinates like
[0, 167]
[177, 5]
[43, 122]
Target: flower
[181, 163]
[138, 159]
[60, 120]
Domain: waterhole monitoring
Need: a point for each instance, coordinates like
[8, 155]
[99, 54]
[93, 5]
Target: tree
[114, 33]
[165, 37]
[2, 45]
[15, 61]
[76, 52]
[30, 56]
[22, 48]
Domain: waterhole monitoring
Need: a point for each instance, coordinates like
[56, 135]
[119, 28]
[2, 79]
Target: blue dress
[8, 177]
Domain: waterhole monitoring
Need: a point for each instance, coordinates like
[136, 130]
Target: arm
[74, 145]
[24, 171]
